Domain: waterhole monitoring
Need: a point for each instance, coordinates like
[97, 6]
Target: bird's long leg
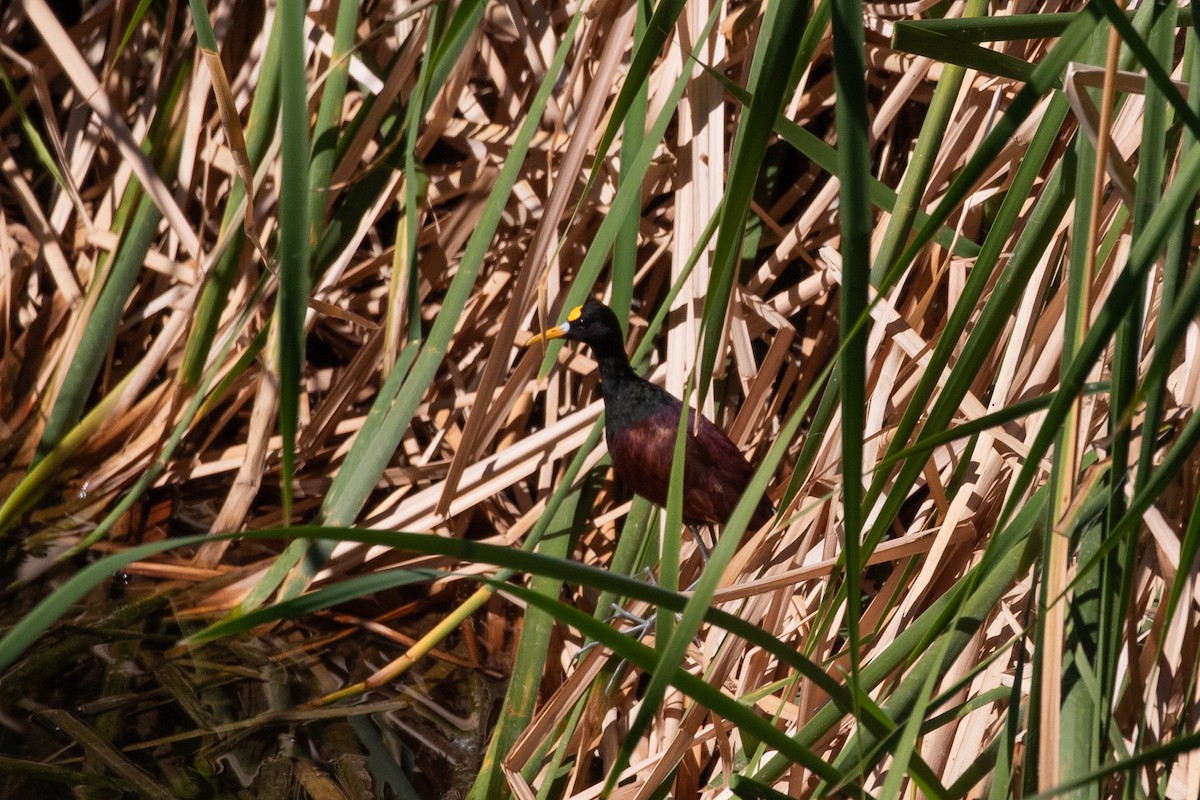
[641, 626]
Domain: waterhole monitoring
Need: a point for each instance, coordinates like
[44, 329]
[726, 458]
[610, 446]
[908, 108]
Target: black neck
[614, 364]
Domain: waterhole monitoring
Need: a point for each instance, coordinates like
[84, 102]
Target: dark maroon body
[715, 473]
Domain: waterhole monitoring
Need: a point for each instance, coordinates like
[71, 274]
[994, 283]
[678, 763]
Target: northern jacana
[641, 420]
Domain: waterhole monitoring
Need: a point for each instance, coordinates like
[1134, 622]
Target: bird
[641, 421]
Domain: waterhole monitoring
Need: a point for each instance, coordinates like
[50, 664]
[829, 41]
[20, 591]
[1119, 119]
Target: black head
[593, 323]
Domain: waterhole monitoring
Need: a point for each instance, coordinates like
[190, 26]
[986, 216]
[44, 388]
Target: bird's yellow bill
[557, 332]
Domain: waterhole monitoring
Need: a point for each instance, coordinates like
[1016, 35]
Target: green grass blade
[102, 325]
[849, 65]
[921, 41]
[294, 256]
